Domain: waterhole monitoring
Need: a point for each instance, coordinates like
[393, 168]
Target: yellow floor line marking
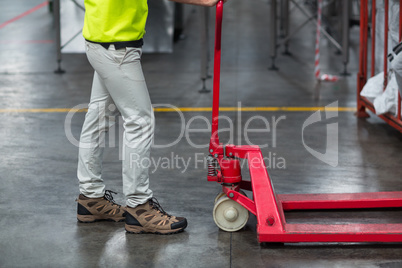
[196, 109]
[50, 110]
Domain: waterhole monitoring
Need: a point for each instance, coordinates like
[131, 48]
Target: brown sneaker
[151, 218]
[99, 209]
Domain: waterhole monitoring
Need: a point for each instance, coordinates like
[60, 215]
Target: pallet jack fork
[268, 207]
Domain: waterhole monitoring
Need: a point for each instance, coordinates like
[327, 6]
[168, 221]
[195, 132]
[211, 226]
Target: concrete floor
[38, 162]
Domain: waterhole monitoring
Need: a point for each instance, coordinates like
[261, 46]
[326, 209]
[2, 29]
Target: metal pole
[204, 47]
[362, 75]
[400, 38]
[346, 6]
[56, 12]
[373, 25]
[273, 35]
[282, 20]
[286, 23]
[386, 18]
[178, 22]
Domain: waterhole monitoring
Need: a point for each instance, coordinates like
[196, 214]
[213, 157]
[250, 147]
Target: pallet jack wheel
[219, 196]
[229, 215]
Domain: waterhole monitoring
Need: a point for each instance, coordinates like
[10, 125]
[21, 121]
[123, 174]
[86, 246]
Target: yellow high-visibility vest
[108, 21]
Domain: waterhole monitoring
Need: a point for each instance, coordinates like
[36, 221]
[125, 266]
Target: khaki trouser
[118, 83]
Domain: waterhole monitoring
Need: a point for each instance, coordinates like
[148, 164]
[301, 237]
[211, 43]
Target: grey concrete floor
[38, 162]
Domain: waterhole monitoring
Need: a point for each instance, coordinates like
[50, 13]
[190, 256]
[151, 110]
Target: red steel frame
[269, 207]
[362, 102]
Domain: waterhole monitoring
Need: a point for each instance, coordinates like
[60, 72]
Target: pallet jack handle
[214, 145]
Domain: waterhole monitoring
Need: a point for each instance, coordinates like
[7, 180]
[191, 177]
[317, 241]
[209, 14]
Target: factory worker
[114, 32]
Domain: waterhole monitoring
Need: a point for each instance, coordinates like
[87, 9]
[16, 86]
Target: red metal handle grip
[214, 142]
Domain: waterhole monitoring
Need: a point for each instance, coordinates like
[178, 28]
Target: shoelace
[155, 205]
[109, 197]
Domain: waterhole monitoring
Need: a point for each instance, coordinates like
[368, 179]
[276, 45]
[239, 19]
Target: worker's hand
[208, 3]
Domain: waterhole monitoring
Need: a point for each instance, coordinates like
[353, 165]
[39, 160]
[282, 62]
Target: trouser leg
[98, 120]
[121, 73]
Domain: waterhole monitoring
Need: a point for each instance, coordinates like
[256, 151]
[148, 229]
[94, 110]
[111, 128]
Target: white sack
[373, 88]
[387, 102]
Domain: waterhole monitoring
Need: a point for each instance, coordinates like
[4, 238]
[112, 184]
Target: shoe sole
[140, 230]
[92, 218]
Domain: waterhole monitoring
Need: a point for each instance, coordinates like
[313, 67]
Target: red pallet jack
[232, 206]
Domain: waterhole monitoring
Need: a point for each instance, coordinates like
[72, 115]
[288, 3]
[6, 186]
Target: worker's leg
[99, 118]
[121, 72]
